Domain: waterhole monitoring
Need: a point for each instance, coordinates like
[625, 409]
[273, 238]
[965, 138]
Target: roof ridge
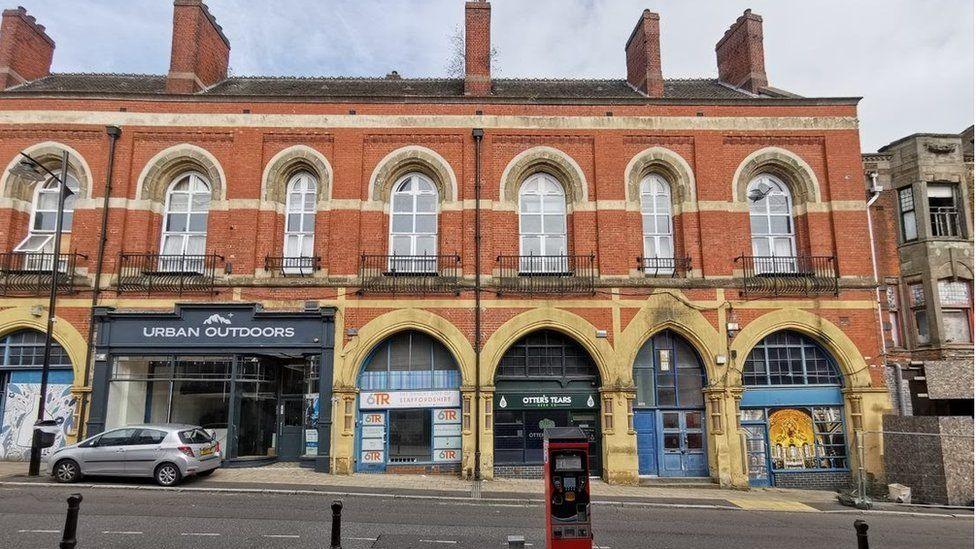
[127, 74]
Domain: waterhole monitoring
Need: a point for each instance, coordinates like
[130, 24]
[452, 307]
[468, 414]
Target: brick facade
[598, 147]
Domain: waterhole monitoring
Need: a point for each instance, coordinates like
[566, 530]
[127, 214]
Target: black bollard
[69, 538]
[336, 525]
[862, 533]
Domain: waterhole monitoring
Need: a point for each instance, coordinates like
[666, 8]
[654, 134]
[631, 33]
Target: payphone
[567, 477]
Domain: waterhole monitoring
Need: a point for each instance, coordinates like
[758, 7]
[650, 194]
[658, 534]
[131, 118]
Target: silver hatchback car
[166, 452]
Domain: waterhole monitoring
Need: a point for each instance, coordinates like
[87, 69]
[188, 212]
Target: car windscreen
[195, 436]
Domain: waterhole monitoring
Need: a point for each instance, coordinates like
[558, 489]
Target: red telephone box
[567, 474]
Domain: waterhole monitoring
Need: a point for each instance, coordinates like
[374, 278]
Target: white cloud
[911, 60]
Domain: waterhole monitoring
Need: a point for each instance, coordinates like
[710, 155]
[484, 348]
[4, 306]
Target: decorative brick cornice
[773, 140]
[659, 140]
[48, 134]
[533, 139]
[298, 137]
[182, 136]
[413, 138]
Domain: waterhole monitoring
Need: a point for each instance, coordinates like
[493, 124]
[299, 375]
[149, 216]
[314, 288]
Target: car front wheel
[167, 474]
[66, 471]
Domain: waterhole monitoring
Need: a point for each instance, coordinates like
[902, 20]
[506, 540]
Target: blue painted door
[683, 444]
[758, 461]
[645, 423]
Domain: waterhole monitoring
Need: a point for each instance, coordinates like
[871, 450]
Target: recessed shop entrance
[544, 380]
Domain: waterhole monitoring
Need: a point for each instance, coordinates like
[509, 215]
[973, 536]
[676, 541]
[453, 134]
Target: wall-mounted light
[602, 334]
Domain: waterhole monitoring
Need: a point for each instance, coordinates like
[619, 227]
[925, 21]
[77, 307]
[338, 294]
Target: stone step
[678, 482]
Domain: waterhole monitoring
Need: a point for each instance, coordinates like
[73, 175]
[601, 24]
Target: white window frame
[553, 243]
[654, 187]
[41, 241]
[420, 259]
[299, 208]
[774, 262]
[189, 263]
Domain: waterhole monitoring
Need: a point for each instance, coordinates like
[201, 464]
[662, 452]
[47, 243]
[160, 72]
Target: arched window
[299, 221]
[413, 225]
[771, 221]
[542, 225]
[44, 215]
[184, 241]
[668, 373]
[789, 358]
[409, 360]
[655, 197]
[547, 355]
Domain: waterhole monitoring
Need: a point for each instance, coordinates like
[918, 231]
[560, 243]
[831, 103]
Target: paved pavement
[31, 516]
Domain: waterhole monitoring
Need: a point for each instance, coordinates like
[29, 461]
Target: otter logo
[216, 318]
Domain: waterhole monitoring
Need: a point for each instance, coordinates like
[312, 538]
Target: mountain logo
[216, 318]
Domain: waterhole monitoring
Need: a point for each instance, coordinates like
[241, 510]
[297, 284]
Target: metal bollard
[69, 538]
[862, 533]
[516, 542]
[336, 525]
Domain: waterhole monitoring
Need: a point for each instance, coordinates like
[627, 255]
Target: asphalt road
[33, 517]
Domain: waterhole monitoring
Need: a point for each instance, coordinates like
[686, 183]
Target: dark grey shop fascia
[208, 329]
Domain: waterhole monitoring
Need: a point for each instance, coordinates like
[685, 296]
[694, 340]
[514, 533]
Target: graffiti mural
[20, 402]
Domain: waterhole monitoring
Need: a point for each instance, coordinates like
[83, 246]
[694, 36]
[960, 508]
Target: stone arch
[287, 163]
[669, 311]
[668, 164]
[954, 269]
[408, 159]
[162, 169]
[385, 325]
[549, 160]
[49, 154]
[19, 318]
[849, 358]
[786, 165]
[551, 318]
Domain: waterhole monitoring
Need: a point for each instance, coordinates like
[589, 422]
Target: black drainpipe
[477, 134]
[113, 135]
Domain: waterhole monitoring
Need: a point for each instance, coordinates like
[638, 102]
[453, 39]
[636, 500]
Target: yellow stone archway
[551, 318]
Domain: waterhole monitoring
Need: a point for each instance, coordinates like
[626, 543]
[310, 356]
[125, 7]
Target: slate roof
[528, 90]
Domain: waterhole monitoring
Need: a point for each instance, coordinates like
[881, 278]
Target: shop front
[544, 380]
[409, 408]
[249, 375]
[792, 411]
[21, 358]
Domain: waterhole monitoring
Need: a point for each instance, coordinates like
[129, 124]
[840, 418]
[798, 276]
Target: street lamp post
[29, 168]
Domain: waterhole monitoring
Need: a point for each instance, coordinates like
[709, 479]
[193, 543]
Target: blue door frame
[684, 459]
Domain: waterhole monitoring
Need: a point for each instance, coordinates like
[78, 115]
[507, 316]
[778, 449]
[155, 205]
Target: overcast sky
[911, 60]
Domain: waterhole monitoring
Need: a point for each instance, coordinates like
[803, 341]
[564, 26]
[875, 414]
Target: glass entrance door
[291, 422]
[683, 444]
[758, 465]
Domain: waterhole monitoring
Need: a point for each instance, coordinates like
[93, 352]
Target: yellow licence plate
[206, 451]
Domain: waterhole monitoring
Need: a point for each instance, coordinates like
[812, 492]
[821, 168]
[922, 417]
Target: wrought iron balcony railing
[664, 266]
[945, 222]
[159, 273]
[292, 266]
[788, 275]
[29, 273]
[546, 274]
[410, 274]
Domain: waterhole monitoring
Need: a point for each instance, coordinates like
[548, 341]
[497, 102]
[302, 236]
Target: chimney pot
[477, 48]
[200, 53]
[643, 50]
[26, 51]
[741, 61]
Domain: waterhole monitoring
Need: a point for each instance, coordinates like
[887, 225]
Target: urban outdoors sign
[545, 401]
[373, 400]
[196, 326]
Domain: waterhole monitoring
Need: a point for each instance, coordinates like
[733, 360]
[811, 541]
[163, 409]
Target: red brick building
[680, 267]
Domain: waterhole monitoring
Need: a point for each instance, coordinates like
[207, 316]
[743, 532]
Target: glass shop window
[410, 436]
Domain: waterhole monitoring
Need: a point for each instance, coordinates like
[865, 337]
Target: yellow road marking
[771, 505]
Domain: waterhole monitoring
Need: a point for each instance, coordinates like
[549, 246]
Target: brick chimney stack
[200, 52]
[644, 55]
[477, 48]
[26, 50]
[741, 62]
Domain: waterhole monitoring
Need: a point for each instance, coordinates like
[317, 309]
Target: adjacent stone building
[422, 274]
[923, 229]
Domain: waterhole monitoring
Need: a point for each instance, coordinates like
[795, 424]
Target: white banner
[409, 399]
[447, 455]
[448, 415]
[372, 444]
[374, 419]
[449, 430]
[372, 456]
[441, 443]
[373, 431]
